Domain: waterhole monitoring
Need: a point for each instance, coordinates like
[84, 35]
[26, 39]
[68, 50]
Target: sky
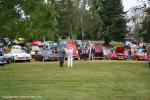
[129, 4]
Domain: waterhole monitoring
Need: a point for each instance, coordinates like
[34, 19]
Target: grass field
[95, 80]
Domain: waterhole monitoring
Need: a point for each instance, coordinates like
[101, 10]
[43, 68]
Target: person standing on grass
[62, 54]
[93, 53]
[70, 57]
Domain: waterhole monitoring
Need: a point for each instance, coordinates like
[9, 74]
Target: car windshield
[46, 52]
[17, 51]
[140, 53]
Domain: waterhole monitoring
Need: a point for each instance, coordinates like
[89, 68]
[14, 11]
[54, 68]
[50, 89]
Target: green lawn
[95, 80]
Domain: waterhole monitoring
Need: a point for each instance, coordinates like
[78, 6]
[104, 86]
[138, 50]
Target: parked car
[37, 43]
[98, 51]
[2, 60]
[119, 54]
[69, 45]
[140, 56]
[6, 42]
[130, 42]
[78, 43]
[19, 54]
[9, 58]
[46, 55]
[75, 51]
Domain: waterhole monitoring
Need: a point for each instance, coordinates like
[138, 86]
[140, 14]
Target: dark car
[98, 51]
[6, 42]
[46, 55]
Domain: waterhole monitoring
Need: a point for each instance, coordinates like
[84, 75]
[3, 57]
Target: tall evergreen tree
[114, 19]
[65, 16]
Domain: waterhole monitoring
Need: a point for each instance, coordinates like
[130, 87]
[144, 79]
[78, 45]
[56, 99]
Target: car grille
[120, 56]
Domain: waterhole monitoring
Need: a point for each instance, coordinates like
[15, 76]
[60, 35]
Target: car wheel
[28, 60]
[76, 58]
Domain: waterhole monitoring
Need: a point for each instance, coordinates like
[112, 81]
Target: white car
[19, 54]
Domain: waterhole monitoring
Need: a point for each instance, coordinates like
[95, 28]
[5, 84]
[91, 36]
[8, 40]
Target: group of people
[62, 55]
[87, 52]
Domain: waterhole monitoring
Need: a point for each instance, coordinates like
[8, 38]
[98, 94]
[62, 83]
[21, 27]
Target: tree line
[82, 19]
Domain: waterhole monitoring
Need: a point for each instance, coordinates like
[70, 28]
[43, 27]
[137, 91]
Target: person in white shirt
[70, 57]
[104, 53]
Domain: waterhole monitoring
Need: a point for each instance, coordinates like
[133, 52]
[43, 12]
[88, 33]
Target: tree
[97, 9]
[141, 23]
[112, 18]
[65, 16]
[9, 16]
[28, 18]
[146, 26]
[42, 18]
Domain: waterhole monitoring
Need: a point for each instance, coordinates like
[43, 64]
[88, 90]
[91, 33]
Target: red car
[140, 56]
[75, 51]
[98, 51]
[119, 54]
[37, 43]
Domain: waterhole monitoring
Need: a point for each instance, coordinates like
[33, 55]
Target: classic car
[19, 54]
[140, 56]
[98, 51]
[6, 57]
[37, 43]
[75, 51]
[2, 60]
[119, 54]
[45, 55]
[69, 45]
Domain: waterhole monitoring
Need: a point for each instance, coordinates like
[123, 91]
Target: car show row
[83, 50]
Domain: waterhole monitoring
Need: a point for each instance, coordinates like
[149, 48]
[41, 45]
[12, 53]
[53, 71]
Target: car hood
[18, 54]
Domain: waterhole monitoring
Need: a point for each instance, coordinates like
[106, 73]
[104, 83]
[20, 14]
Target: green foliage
[112, 19]
[8, 17]
[27, 18]
[107, 40]
[38, 18]
[42, 19]
[68, 17]
[146, 26]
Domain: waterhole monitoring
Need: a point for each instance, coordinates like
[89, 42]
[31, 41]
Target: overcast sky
[129, 3]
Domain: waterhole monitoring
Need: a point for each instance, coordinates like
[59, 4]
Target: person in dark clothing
[62, 54]
[93, 53]
[129, 54]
